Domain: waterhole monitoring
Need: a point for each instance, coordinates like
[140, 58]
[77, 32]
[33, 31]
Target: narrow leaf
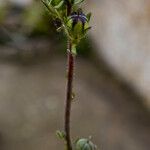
[60, 134]
[76, 2]
[59, 5]
[89, 16]
[46, 5]
[87, 29]
[74, 51]
[59, 29]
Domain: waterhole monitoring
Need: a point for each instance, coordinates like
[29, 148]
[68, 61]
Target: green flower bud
[84, 144]
[77, 25]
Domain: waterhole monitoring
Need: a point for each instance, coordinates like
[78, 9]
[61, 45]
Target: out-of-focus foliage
[3, 11]
[35, 20]
[29, 19]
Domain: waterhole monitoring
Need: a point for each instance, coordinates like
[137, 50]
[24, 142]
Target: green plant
[69, 18]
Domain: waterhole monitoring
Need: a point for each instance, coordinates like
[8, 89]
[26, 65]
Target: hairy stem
[70, 73]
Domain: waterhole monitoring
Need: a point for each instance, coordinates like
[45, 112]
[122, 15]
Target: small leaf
[85, 144]
[76, 140]
[50, 9]
[59, 29]
[87, 29]
[89, 16]
[50, 1]
[59, 5]
[45, 4]
[60, 134]
[76, 2]
[74, 51]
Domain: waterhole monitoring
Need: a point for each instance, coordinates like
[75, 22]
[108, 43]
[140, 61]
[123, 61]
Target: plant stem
[70, 73]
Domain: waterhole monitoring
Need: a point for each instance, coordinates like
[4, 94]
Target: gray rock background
[121, 32]
[32, 105]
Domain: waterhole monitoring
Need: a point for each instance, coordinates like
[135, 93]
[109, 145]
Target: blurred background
[112, 77]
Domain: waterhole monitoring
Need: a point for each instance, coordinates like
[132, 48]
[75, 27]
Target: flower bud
[85, 144]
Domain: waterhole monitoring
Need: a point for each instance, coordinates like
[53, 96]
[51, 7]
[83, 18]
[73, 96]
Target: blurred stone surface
[32, 105]
[20, 2]
[121, 31]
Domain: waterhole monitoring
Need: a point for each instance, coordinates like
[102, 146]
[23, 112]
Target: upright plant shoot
[69, 18]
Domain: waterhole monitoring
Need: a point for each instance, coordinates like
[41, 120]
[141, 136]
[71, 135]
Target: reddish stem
[70, 72]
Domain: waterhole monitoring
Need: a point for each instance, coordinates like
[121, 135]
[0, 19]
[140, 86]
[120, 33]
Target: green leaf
[87, 29]
[76, 140]
[59, 29]
[85, 144]
[59, 5]
[45, 4]
[76, 2]
[88, 16]
[74, 51]
[60, 134]
[49, 1]
[48, 6]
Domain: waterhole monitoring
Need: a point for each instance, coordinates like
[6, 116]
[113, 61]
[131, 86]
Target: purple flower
[78, 17]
